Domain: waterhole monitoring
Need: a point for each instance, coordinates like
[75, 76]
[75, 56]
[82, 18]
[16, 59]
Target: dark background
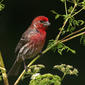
[14, 20]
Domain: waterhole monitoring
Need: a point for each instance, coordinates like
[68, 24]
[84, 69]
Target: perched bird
[31, 43]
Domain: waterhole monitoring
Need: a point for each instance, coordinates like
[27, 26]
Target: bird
[30, 43]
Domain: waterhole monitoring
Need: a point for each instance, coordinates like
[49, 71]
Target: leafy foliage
[73, 24]
[50, 79]
[33, 70]
[56, 14]
[46, 79]
[2, 6]
[60, 47]
[66, 69]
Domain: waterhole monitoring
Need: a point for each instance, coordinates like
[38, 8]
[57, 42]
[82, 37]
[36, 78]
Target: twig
[63, 76]
[69, 16]
[61, 29]
[3, 71]
[66, 8]
[74, 33]
[77, 12]
[72, 37]
[75, 5]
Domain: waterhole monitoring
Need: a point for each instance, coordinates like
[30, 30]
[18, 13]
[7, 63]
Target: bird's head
[41, 23]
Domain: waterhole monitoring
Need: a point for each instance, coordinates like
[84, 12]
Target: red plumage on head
[40, 18]
[40, 23]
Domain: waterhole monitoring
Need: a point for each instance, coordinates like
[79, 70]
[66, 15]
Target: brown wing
[24, 39]
[22, 42]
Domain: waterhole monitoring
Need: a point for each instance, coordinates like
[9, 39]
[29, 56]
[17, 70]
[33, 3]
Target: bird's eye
[41, 21]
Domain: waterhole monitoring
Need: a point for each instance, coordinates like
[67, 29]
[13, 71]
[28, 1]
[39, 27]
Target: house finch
[31, 42]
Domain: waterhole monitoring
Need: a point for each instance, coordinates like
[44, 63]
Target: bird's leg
[25, 67]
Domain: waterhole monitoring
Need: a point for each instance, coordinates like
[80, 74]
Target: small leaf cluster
[2, 6]
[33, 70]
[72, 25]
[46, 79]
[60, 47]
[66, 69]
[72, 22]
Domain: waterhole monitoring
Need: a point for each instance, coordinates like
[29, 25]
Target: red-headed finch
[31, 42]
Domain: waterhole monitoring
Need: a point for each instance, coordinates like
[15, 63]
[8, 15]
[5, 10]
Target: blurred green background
[14, 20]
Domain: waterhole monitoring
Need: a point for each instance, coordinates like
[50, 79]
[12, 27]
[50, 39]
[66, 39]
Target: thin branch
[63, 76]
[65, 22]
[77, 12]
[75, 5]
[61, 29]
[74, 33]
[72, 37]
[4, 75]
[66, 8]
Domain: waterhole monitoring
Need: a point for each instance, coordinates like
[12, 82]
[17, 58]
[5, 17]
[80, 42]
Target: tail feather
[15, 69]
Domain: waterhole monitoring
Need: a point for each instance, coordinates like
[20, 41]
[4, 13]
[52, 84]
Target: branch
[3, 71]
[72, 37]
[66, 8]
[74, 33]
[69, 16]
[77, 12]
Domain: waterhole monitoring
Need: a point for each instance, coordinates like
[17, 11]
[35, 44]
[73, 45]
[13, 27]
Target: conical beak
[47, 23]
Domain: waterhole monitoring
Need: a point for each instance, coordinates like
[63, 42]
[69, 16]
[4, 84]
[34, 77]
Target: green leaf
[83, 3]
[75, 23]
[57, 16]
[61, 47]
[51, 42]
[2, 6]
[70, 9]
[81, 22]
[53, 11]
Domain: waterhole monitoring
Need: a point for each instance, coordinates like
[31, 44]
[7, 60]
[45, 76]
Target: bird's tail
[15, 69]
